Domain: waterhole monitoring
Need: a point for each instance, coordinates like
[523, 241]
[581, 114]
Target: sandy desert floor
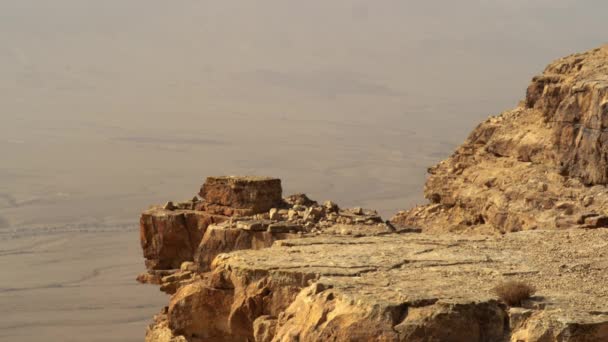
[110, 106]
[74, 287]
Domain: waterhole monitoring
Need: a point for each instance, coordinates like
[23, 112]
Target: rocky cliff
[241, 263]
[542, 165]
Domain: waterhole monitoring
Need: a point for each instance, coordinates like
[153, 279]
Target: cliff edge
[542, 165]
[242, 263]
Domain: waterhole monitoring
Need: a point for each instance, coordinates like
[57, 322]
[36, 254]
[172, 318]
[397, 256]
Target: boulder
[252, 194]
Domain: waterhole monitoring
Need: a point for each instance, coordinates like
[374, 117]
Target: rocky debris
[539, 166]
[193, 231]
[400, 287]
[261, 232]
[299, 199]
[154, 276]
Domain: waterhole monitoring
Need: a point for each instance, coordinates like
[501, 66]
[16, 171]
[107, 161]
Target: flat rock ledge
[398, 287]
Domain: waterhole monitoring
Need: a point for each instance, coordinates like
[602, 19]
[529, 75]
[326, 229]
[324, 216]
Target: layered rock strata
[192, 233]
[242, 264]
[398, 287]
[542, 165]
[171, 234]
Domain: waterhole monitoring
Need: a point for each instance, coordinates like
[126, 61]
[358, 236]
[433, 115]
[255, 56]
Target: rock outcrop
[543, 165]
[244, 264]
[236, 213]
[240, 196]
[400, 287]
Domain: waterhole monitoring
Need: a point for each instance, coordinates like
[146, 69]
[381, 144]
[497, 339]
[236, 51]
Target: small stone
[169, 206]
[583, 217]
[567, 207]
[331, 207]
[596, 222]
[274, 215]
[358, 211]
[292, 215]
[187, 266]
[313, 214]
[587, 201]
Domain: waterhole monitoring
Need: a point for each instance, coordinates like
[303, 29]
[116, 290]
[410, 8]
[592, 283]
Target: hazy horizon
[110, 106]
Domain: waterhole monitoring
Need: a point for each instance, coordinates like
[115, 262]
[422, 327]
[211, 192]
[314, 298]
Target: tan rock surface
[170, 237]
[402, 287]
[542, 165]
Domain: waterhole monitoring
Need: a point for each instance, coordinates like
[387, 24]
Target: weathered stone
[331, 207]
[258, 194]
[539, 159]
[313, 214]
[409, 287]
[187, 266]
[257, 226]
[292, 214]
[596, 221]
[284, 227]
[264, 328]
[221, 239]
[274, 215]
[171, 283]
[169, 238]
[299, 199]
[540, 166]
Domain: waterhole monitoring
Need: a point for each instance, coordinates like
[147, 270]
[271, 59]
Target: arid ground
[109, 106]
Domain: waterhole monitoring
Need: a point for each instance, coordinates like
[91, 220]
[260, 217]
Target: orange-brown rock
[172, 234]
[250, 195]
[542, 165]
[170, 237]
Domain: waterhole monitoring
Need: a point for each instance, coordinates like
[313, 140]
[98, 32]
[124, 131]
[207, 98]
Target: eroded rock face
[171, 234]
[249, 195]
[542, 165]
[170, 237]
[401, 287]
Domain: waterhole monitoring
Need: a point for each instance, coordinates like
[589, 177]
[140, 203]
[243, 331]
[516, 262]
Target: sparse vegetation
[514, 292]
